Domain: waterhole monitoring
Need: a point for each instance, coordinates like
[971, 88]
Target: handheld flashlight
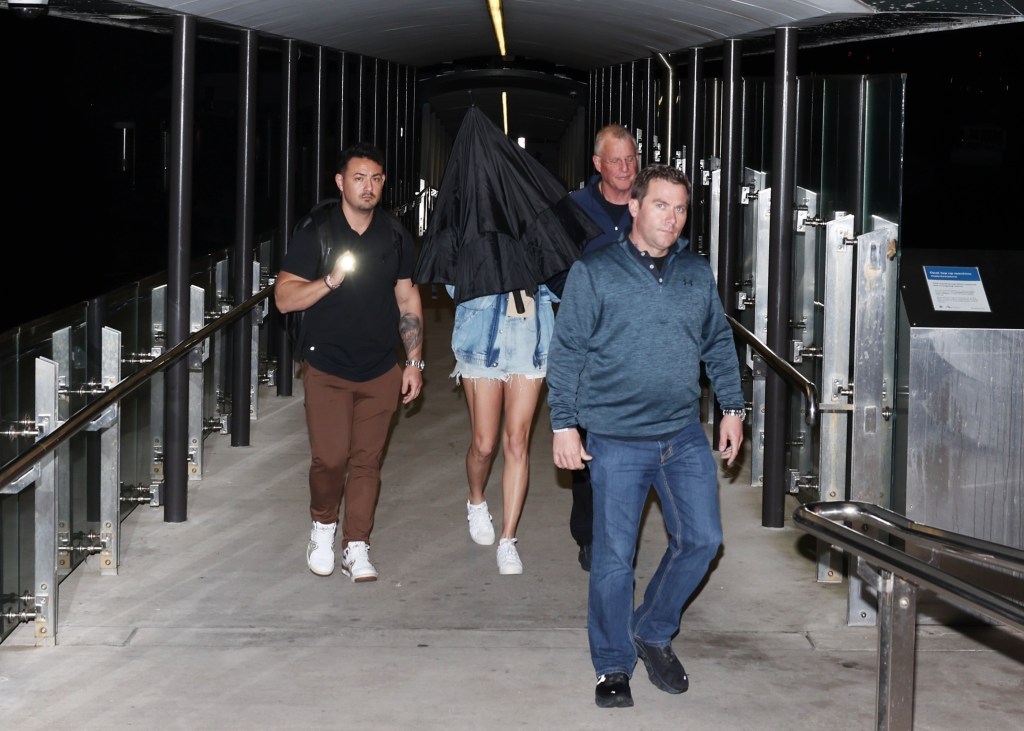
[348, 262]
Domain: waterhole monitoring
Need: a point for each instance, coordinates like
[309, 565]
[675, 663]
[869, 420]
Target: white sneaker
[320, 552]
[508, 557]
[355, 562]
[480, 528]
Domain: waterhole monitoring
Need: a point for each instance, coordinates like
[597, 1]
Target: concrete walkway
[216, 623]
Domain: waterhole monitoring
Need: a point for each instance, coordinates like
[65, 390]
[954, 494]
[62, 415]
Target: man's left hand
[568, 451]
[412, 383]
[730, 437]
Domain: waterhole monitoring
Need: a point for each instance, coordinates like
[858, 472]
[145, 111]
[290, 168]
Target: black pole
[593, 107]
[729, 248]
[409, 135]
[360, 98]
[320, 128]
[648, 108]
[179, 254]
[343, 103]
[375, 104]
[668, 79]
[286, 215]
[730, 212]
[780, 267]
[386, 106]
[694, 136]
[855, 172]
[245, 205]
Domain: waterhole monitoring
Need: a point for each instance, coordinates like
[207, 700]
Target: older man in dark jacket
[606, 201]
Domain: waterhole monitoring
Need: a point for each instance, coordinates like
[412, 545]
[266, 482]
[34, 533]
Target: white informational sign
[956, 289]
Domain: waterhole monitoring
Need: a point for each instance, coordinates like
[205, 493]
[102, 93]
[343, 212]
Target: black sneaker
[613, 691]
[585, 557]
[663, 667]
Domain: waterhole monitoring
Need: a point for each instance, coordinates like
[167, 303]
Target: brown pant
[348, 424]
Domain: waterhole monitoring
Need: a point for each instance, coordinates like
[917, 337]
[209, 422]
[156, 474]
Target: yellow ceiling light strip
[499, 32]
[498, 22]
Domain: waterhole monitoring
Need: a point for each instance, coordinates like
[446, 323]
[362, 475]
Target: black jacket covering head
[502, 222]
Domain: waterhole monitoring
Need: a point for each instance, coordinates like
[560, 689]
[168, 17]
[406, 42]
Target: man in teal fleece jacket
[637, 320]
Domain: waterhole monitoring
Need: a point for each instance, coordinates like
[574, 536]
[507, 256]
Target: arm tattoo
[411, 331]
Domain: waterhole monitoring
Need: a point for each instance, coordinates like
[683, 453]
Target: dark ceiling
[552, 45]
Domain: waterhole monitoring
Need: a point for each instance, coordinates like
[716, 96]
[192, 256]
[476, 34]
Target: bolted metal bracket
[42, 625]
[797, 483]
[107, 560]
[90, 388]
[840, 390]
[218, 424]
[193, 462]
[759, 367]
[87, 543]
[800, 351]
[28, 613]
[104, 420]
[141, 493]
[63, 547]
[139, 358]
[21, 429]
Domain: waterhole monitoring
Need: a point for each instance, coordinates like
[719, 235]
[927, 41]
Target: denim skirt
[516, 344]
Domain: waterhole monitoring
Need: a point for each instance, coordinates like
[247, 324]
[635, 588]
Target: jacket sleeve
[568, 354]
[718, 351]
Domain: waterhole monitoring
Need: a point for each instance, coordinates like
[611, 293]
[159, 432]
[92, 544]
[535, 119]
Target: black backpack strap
[397, 234]
[327, 230]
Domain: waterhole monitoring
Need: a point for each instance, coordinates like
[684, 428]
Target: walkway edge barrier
[83, 417]
[898, 556]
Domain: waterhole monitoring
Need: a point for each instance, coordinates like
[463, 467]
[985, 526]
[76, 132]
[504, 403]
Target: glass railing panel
[17, 556]
[19, 348]
[78, 468]
[11, 397]
[216, 376]
[65, 337]
[883, 142]
[129, 311]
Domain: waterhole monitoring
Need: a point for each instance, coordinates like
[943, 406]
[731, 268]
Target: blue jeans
[685, 477]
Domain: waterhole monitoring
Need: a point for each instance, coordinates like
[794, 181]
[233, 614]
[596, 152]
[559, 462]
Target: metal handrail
[84, 416]
[833, 522]
[868, 533]
[784, 369]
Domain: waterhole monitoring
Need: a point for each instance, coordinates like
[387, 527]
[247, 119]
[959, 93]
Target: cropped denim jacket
[478, 322]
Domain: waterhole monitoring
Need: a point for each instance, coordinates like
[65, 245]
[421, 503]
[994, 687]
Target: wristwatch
[742, 413]
[418, 363]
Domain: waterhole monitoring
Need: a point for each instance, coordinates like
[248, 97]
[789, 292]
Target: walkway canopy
[548, 46]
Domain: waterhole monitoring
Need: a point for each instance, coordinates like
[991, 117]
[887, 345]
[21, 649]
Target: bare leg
[484, 398]
[521, 396]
